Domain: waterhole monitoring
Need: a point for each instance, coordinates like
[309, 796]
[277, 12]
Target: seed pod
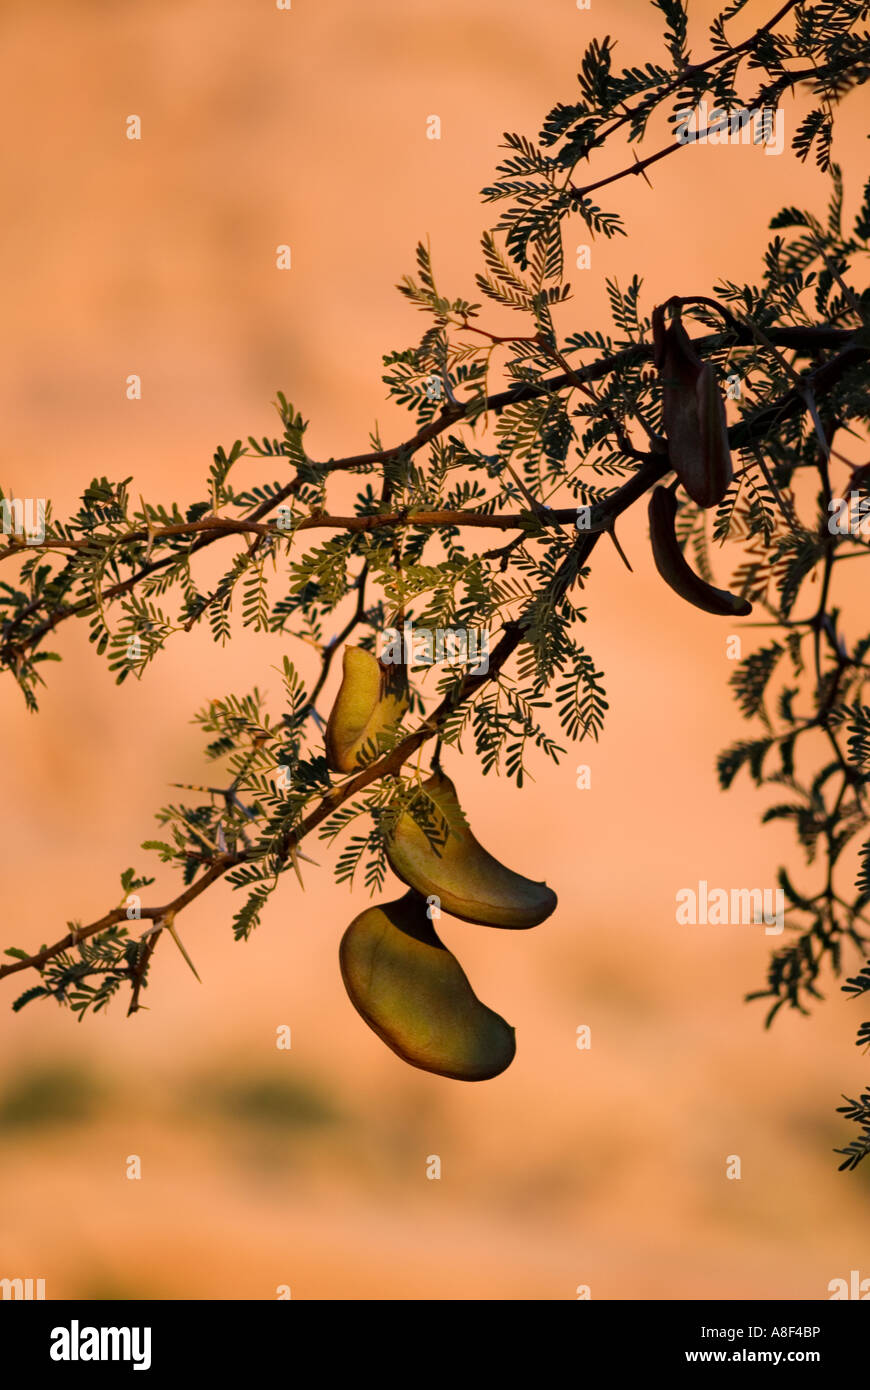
[415, 995]
[674, 569]
[467, 880]
[372, 699]
[693, 414]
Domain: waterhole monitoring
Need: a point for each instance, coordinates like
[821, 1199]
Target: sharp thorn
[611, 531]
[294, 859]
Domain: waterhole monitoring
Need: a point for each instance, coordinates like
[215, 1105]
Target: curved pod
[675, 570]
[468, 881]
[415, 995]
[371, 700]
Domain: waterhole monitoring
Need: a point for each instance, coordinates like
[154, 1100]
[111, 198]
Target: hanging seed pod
[693, 413]
[468, 881]
[415, 995]
[371, 700]
[674, 569]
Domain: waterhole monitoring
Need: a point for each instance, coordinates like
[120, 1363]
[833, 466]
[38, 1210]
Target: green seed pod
[468, 881]
[415, 995]
[371, 700]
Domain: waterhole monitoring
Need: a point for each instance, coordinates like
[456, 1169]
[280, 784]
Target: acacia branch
[391, 763]
[783, 83]
[209, 530]
[692, 70]
[318, 521]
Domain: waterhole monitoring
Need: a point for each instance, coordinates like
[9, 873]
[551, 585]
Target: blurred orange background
[307, 1167]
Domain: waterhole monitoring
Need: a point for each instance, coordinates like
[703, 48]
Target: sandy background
[307, 1168]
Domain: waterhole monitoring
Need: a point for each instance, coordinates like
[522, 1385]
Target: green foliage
[88, 977]
[858, 1111]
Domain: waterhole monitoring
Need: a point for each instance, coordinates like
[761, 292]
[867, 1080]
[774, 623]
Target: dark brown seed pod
[693, 414]
[674, 569]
